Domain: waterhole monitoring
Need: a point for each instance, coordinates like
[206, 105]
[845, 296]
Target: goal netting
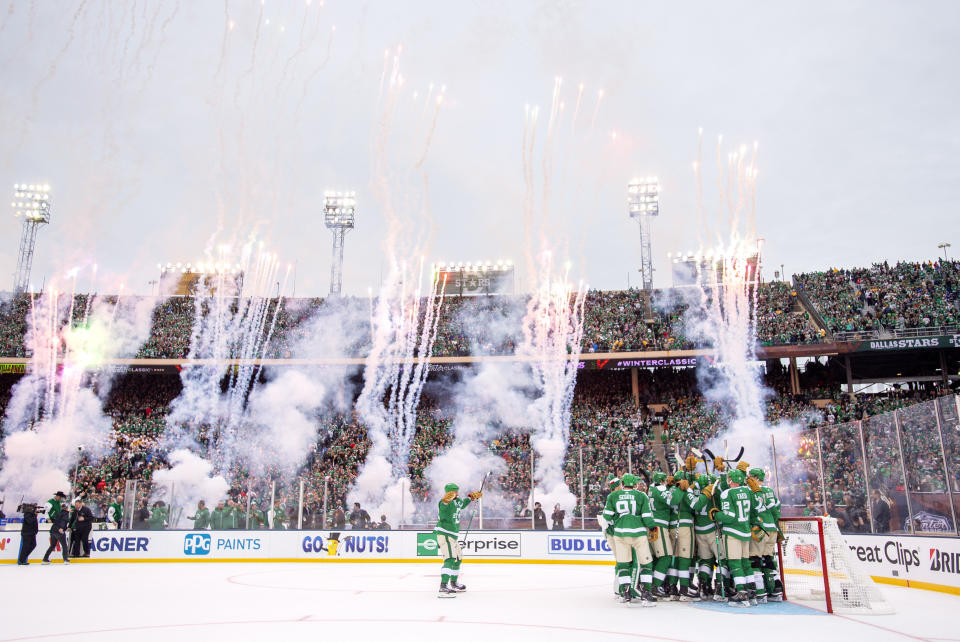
[816, 566]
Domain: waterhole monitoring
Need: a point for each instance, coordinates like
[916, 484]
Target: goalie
[447, 532]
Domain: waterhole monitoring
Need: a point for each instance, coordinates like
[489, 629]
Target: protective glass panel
[888, 501]
[926, 481]
[844, 479]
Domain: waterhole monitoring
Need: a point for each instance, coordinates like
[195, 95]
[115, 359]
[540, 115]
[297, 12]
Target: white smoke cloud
[189, 480]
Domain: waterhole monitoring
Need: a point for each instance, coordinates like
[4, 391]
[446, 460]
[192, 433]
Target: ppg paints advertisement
[920, 562]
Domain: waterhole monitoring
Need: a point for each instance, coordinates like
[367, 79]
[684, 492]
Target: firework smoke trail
[227, 28]
[253, 62]
[404, 326]
[228, 324]
[313, 74]
[433, 126]
[426, 103]
[55, 408]
[302, 46]
[146, 39]
[51, 72]
[148, 75]
[7, 18]
[596, 110]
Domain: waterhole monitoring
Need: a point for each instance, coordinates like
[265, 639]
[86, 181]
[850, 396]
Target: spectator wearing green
[201, 518]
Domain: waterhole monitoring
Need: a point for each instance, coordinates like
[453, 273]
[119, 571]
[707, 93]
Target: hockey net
[816, 566]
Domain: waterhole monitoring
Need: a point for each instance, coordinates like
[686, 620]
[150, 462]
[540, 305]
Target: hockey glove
[753, 484]
[708, 491]
[475, 495]
[684, 485]
[690, 463]
[743, 466]
[653, 534]
[718, 463]
[756, 533]
[449, 497]
[713, 511]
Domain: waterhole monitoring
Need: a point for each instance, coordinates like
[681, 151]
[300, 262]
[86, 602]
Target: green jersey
[770, 512]
[216, 519]
[115, 513]
[700, 506]
[257, 519]
[229, 518]
[684, 508]
[738, 511]
[157, 517]
[628, 513]
[448, 519]
[54, 506]
[201, 520]
[279, 517]
[662, 501]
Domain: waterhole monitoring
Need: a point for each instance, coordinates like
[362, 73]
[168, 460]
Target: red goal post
[816, 566]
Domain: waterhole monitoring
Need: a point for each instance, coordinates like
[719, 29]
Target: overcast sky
[157, 124]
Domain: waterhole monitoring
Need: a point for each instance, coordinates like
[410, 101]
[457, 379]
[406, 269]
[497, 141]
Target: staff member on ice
[447, 531]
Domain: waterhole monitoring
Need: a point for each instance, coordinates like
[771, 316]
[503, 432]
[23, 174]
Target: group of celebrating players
[729, 519]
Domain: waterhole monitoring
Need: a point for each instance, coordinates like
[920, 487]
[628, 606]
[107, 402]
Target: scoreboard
[476, 279]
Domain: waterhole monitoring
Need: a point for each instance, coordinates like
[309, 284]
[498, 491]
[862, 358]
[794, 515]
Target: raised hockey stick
[470, 523]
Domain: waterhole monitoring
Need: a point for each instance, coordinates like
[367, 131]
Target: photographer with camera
[28, 532]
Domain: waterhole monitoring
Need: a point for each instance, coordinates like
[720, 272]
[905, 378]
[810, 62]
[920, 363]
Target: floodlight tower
[32, 202]
[338, 216]
[643, 198]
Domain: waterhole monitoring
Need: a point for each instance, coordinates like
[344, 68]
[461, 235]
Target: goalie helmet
[757, 473]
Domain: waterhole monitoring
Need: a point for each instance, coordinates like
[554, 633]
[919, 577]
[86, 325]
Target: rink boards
[931, 563]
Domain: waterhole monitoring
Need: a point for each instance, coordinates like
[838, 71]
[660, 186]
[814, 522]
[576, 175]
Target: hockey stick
[470, 523]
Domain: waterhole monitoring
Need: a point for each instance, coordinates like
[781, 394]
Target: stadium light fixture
[643, 202]
[339, 210]
[31, 202]
[943, 246]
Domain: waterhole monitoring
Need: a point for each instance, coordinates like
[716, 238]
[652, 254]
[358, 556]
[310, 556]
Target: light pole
[338, 216]
[643, 199]
[32, 202]
[944, 246]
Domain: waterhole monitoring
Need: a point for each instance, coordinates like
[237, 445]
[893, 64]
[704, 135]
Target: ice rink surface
[387, 601]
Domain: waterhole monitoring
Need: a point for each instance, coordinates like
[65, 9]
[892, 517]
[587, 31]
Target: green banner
[13, 368]
[427, 545]
[911, 343]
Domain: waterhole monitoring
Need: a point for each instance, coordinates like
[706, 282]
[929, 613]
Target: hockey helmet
[757, 473]
[659, 477]
[451, 488]
[629, 480]
[736, 477]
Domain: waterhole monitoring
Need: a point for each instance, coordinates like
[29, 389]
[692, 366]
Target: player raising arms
[447, 532]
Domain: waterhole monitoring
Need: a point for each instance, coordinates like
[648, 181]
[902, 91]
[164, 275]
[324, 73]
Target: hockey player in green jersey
[683, 546]
[661, 506]
[447, 532]
[700, 498]
[627, 513]
[613, 483]
[764, 544]
[737, 513]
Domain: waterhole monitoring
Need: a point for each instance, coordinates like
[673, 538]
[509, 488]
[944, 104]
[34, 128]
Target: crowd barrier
[931, 563]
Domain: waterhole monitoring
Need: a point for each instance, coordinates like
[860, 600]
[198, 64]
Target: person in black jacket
[81, 521]
[881, 512]
[28, 533]
[58, 535]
